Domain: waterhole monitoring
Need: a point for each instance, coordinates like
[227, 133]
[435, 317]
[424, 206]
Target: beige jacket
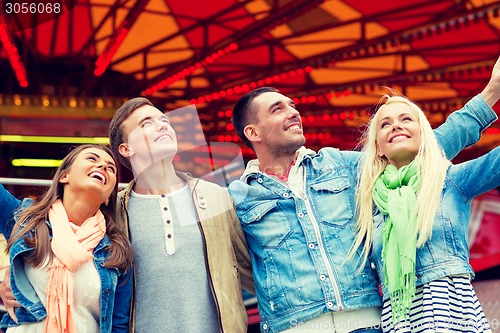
[228, 261]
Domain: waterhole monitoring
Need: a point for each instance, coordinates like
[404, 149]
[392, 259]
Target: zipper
[321, 247]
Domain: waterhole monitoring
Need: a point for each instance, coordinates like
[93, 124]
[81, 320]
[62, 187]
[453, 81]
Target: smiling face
[149, 138]
[277, 127]
[93, 172]
[398, 133]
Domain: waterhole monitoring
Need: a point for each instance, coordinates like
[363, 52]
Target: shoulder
[334, 155]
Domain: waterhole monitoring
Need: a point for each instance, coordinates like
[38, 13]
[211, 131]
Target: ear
[252, 133]
[125, 150]
[106, 202]
[379, 152]
[64, 178]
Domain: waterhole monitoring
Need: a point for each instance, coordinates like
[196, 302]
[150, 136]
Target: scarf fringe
[402, 299]
[59, 290]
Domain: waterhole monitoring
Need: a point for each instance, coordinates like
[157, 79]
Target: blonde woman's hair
[432, 165]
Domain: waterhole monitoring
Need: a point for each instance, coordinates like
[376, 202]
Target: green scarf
[394, 194]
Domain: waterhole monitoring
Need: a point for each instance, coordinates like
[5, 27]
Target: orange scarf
[72, 247]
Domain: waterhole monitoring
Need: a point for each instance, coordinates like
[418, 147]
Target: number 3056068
[32, 8]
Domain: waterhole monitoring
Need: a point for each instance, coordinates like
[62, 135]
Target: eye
[384, 124]
[407, 118]
[112, 168]
[146, 123]
[91, 158]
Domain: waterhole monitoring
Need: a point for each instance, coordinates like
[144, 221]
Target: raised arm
[463, 128]
[479, 175]
[8, 205]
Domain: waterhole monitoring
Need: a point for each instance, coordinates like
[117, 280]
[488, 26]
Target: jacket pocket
[332, 201]
[267, 223]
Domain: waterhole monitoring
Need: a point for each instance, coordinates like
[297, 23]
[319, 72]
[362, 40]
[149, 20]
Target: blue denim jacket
[298, 244]
[116, 288]
[447, 251]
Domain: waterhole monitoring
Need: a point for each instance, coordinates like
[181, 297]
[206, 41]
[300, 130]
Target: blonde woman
[70, 260]
[419, 241]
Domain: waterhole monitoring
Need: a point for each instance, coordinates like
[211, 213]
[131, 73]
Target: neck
[160, 178]
[276, 164]
[79, 209]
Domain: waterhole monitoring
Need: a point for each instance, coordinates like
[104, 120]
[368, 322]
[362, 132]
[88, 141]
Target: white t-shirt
[87, 295]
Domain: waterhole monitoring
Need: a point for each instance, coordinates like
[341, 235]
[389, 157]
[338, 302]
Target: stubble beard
[285, 150]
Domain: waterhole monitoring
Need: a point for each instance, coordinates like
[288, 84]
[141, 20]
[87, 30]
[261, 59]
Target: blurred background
[63, 75]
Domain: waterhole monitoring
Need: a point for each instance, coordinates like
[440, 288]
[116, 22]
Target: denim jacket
[116, 288]
[446, 253]
[298, 244]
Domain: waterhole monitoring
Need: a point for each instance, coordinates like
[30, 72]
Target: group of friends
[329, 241]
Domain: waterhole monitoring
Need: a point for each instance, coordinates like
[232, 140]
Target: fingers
[8, 299]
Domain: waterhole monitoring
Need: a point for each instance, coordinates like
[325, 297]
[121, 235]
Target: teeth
[398, 138]
[293, 127]
[98, 176]
[163, 138]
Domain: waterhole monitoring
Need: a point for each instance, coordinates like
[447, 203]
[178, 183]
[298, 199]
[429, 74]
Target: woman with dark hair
[70, 260]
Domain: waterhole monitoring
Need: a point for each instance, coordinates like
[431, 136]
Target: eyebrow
[163, 116]
[98, 156]
[401, 115]
[290, 102]
[144, 119]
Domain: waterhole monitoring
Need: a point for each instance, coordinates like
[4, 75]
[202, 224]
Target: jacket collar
[253, 167]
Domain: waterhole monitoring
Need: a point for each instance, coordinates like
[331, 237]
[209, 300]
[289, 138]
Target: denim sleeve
[352, 159]
[463, 127]
[123, 297]
[477, 176]
[8, 205]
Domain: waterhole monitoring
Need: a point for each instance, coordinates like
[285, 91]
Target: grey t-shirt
[173, 293]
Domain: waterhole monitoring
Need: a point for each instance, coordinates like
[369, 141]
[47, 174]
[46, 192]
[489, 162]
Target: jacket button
[104, 318]
[264, 326]
[101, 264]
[108, 291]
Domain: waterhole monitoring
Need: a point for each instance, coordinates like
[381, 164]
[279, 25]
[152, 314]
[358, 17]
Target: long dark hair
[31, 223]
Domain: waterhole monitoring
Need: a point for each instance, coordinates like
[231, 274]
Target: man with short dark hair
[297, 209]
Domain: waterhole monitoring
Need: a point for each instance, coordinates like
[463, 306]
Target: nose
[160, 125]
[103, 165]
[294, 113]
[396, 125]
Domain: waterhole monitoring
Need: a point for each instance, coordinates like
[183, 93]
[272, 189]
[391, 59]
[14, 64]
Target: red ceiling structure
[331, 56]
